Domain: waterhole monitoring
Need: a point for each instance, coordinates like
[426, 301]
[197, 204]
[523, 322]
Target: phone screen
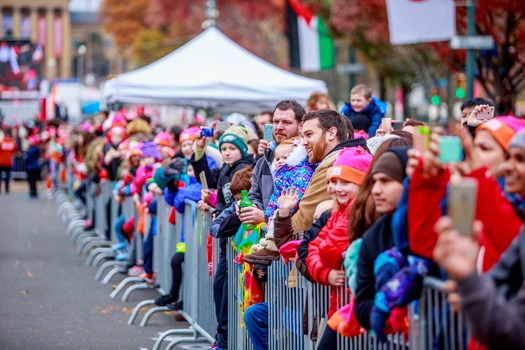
[450, 149]
[268, 132]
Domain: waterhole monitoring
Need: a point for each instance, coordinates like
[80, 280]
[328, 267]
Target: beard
[318, 151]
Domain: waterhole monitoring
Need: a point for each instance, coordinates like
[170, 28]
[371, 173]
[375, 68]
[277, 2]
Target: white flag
[419, 21]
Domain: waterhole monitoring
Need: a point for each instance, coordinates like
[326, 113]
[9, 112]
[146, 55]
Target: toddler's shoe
[118, 246]
[265, 253]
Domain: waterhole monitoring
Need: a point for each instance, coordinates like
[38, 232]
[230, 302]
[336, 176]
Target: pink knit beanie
[351, 165]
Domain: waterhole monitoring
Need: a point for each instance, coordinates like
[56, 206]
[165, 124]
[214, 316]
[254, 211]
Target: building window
[25, 26]
[7, 23]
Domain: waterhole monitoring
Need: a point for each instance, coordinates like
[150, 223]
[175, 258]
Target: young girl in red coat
[325, 258]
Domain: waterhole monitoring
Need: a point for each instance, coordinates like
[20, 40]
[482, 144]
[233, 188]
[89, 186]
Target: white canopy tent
[211, 72]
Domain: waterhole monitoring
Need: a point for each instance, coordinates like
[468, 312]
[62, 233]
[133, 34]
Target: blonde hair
[361, 89]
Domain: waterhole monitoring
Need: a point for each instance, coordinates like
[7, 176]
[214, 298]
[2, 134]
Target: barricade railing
[18, 170]
[290, 296]
[164, 244]
[439, 326]
[197, 242]
[286, 292]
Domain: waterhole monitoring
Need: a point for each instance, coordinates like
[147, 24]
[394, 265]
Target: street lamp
[81, 51]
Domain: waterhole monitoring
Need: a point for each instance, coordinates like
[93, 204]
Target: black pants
[32, 179]
[176, 275]
[220, 298]
[7, 171]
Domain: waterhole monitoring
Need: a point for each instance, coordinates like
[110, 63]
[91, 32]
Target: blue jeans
[256, 321]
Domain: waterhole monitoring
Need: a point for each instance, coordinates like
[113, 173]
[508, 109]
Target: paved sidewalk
[49, 299]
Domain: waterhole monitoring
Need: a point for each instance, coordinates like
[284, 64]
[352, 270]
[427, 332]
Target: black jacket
[221, 180]
[376, 240]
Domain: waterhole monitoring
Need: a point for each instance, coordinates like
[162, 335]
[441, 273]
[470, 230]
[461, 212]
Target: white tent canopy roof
[211, 72]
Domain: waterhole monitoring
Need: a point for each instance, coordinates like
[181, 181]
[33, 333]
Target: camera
[207, 132]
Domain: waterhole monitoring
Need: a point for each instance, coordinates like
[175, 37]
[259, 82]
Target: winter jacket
[493, 322]
[33, 159]
[316, 190]
[509, 272]
[191, 192]
[325, 251]
[427, 200]
[262, 181]
[283, 233]
[143, 173]
[221, 180]
[8, 150]
[226, 224]
[376, 240]
[375, 110]
[113, 166]
[296, 172]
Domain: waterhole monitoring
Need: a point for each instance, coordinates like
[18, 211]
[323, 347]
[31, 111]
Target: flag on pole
[311, 46]
[419, 21]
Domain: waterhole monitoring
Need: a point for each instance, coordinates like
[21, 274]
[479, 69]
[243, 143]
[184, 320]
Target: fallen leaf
[29, 274]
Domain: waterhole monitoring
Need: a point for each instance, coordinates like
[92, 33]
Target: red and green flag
[311, 46]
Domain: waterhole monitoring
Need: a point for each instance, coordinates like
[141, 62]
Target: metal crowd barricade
[439, 326]
[197, 286]
[164, 247]
[286, 306]
[18, 170]
[237, 335]
[103, 246]
[206, 320]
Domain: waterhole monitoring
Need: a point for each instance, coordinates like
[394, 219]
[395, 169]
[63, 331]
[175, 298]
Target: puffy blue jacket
[375, 110]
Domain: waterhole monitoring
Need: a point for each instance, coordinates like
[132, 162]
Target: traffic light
[435, 100]
[461, 85]
[435, 97]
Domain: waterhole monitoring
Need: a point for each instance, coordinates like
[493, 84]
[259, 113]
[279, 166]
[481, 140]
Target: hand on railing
[336, 277]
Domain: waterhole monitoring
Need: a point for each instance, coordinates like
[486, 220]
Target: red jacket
[325, 251]
[501, 224]
[8, 149]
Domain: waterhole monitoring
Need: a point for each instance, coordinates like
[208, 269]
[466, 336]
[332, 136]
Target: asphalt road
[49, 299]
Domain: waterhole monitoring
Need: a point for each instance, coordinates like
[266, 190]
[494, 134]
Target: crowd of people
[361, 206]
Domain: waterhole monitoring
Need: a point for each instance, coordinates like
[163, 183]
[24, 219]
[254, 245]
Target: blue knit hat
[238, 136]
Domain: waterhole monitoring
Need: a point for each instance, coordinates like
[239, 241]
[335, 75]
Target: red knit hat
[502, 129]
[351, 165]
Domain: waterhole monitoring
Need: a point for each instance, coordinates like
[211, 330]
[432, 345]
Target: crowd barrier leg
[123, 284]
[160, 339]
[135, 287]
[118, 267]
[151, 312]
[101, 249]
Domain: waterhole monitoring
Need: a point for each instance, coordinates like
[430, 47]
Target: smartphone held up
[461, 204]
[450, 149]
[268, 132]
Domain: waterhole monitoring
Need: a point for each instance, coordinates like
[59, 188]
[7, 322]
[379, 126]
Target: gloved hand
[174, 167]
[350, 263]
[378, 320]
